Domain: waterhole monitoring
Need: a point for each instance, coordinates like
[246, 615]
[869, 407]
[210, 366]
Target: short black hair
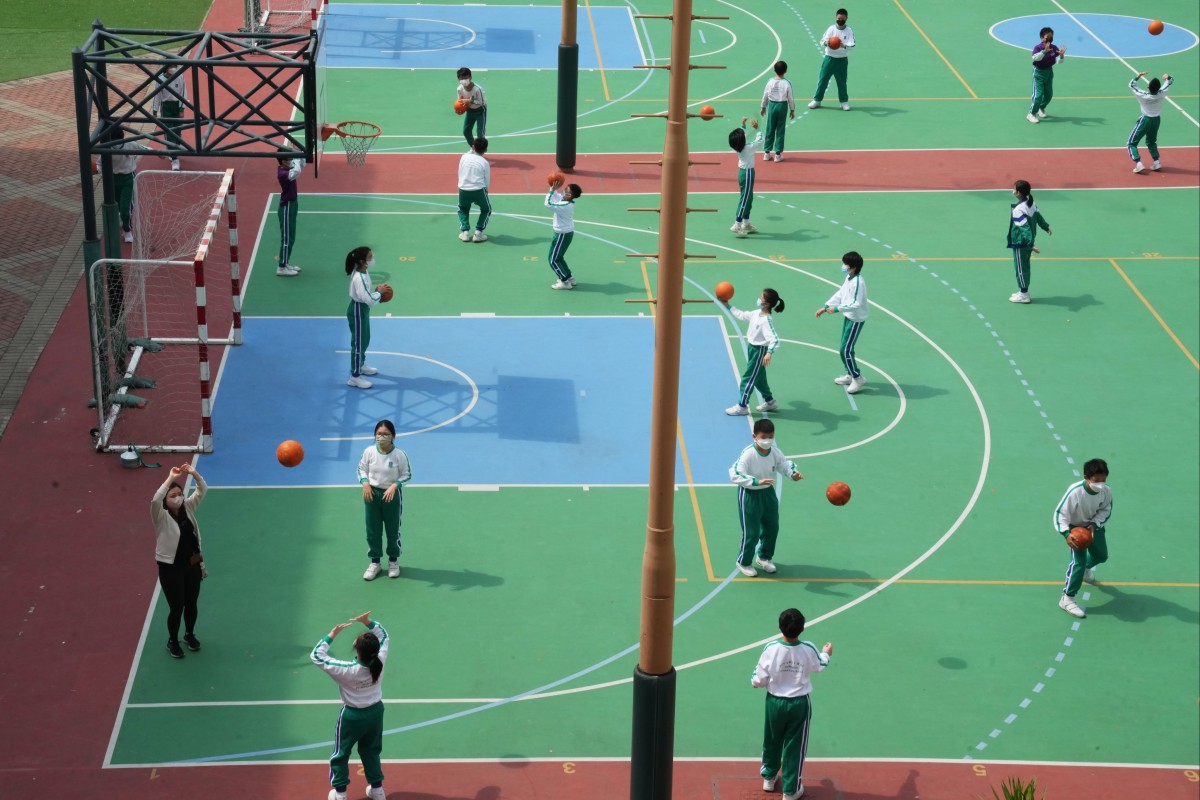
[1042, 33]
[737, 139]
[764, 426]
[575, 190]
[791, 623]
[839, 13]
[1155, 85]
[853, 260]
[780, 67]
[480, 144]
[464, 72]
[1096, 466]
[386, 423]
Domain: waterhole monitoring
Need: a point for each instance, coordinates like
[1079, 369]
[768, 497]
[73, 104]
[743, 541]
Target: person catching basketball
[758, 506]
[360, 722]
[851, 300]
[745, 153]
[287, 172]
[358, 313]
[476, 114]
[1087, 504]
[561, 201]
[1151, 102]
[837, 41]
[783, 670]
[761, 342]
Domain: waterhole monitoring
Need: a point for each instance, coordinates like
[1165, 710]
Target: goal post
[152, 314]
[281, 16]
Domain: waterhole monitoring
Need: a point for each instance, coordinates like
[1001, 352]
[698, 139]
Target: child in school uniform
[168, 104]
[784, 670]
[1086, 504]
[761, 342]
[287, 171]
[778, 106]
[836, 63]
[383, 470]
[851, 300]
[758, 506]
[476, 116]
[1150, 102]
[1023, 222]
[745, 151]
[360, 722]
[561, 201]
[358, 314]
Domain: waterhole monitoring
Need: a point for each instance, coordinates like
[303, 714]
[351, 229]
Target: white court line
[1118, 58]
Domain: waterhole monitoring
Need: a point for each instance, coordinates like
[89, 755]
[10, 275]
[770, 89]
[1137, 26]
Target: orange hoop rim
[372, 131]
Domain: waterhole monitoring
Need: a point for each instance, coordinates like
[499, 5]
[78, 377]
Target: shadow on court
[825, 580]
[1070, 303]
[805, 412]
[455, 580]
[1083, 122]
[1131, 607]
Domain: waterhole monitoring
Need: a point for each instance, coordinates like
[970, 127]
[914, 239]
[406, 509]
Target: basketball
[1080, 538]
[724, 291]
[385, 293]
[707, 113]
[1155, 27]
[838, 493]
[461, 105]
[833, 42]
[290, 453]
[555, 177]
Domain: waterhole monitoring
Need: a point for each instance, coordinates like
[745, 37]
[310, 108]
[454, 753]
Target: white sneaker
[129, 237]
[748, 228]
[845, 106]
[1020, 297]
[373, 571]
[856, 385]
[1139, 167]
[367, 369]
[1068, 604]
[393, 572]
[779, 156]
[1089, 576]
[749, 572]
[767, 156]
[795, 796]
[735, 227]
[1041, 113]
[844, 380]
[769, 783]
[465, 236]
[1032, 119]
[479, 236]
[765, 564]
[359, 383]
[1156, 166]
[376, 794]
[285, 271]
[567, 284]
[293, 266]
[770, 405]
[738, 411]
[175, 165]
[815, 104]
[571, 280]
[334, 794]
[741, 231]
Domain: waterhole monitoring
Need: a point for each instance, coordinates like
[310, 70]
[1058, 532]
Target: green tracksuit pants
[361, 727]
[758, 512]
[287, 230]
[1097, 553]
[123, 183]
[785, 740]
[755, 375]
[1043, 89]
[837, 69]
[1145, 127]
[850, 332]
[1022, 267]
[558, 255]
[777, 114]
[172, 117]
[474, 118]
[383, 516]
[745, 195]
[477, 197]
[359, 317]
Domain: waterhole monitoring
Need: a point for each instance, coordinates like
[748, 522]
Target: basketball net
[357, 139]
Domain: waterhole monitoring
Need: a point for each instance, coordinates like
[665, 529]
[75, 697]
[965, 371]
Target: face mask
[1050, 40]
[764, 444]
[1096, 487]
[383, 438]
[370, 262]
[763, 303]
[175, 502]
[845, 270]
[464, 83]
[841, 23]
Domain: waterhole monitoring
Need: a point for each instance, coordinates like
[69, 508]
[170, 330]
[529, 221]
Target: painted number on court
[1151, 255]
[407, 258]
[1191, 775]
[569, 767]
[980, 770]
[529, 258]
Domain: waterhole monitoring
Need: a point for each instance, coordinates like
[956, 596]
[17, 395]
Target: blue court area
[1096, 35]
[483, 37]
[475, 400]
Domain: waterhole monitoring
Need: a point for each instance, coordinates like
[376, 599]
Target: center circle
[470, 39]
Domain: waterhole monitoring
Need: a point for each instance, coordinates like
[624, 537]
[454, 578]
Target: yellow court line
[935, 582]
[661, 100]
[905, 257]
[935, 49]
[1161, 321]
[687, 466]
[596, 43]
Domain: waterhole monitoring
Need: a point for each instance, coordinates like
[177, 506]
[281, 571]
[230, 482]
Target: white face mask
[764, 444]
[465, 82]
[175, 502]
[1097, 487]
[845, 270]
[383, 438]
[370, 262]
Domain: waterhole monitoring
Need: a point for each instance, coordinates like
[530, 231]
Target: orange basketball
[833, 42]
[724, 291]
[707, 113]
[1155, 27]
[838, 493]
[385, 293]
[290, 453]
[555, 177]
[1080, 538]
[461, 105]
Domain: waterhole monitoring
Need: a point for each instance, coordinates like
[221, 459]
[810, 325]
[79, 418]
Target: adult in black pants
[177, 551]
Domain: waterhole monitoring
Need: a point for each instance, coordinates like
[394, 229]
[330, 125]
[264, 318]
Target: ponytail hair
[366, 647]
[355, 257]
[774, 302]
[1023, 188]
[737, 139]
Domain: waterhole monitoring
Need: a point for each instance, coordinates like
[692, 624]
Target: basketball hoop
[357, 138]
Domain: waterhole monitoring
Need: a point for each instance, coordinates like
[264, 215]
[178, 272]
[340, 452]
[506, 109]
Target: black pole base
[653, 750]
[568, 105]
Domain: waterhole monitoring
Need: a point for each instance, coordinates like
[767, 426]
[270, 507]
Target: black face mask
[841, 23]
[1050, 40]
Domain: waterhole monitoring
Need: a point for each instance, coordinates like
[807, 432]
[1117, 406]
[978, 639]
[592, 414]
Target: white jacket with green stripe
[1080, 506]
[353, 679]
[851, 299]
